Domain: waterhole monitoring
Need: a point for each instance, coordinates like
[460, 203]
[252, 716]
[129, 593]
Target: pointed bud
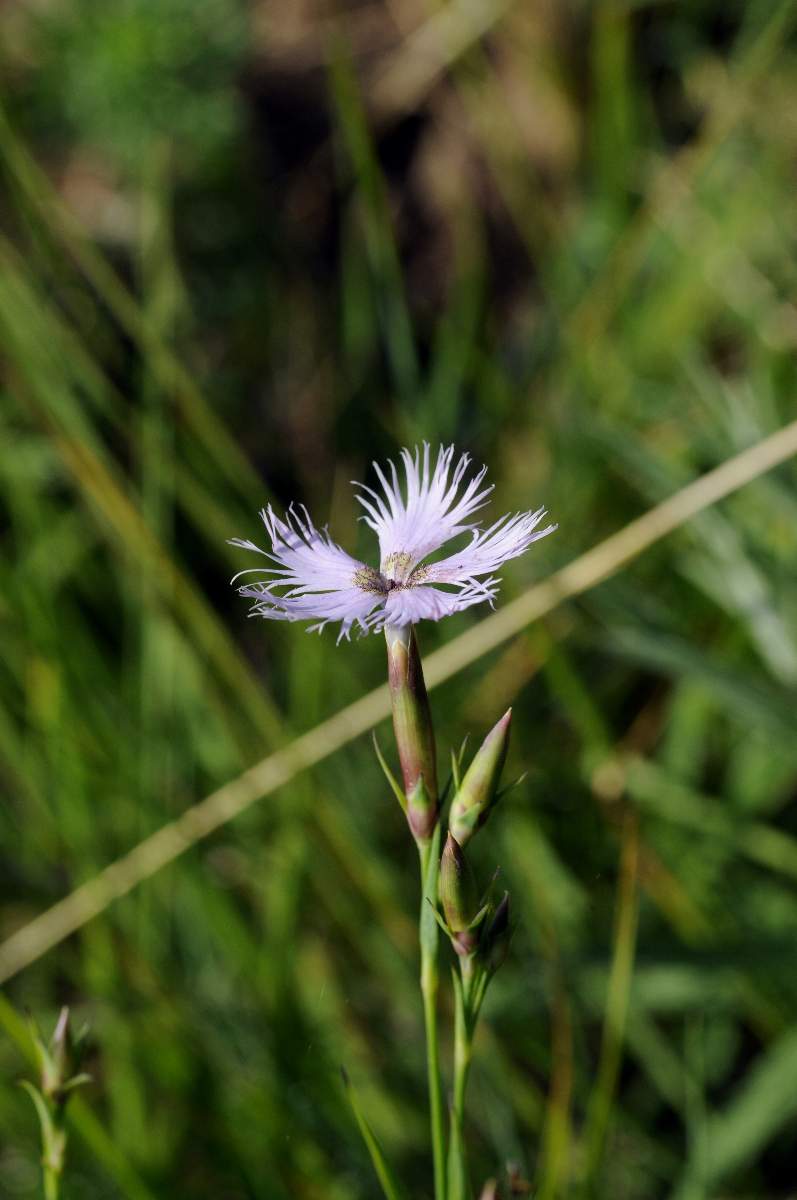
[477, 792]
[412, 722]
[59, 1060]
[60, 1064]
[458, 896]
[497, 936]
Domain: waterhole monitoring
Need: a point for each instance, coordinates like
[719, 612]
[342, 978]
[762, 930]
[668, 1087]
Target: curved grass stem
[617, 1000]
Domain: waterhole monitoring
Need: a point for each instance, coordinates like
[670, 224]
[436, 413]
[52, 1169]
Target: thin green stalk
[463, 1049]
[52, 1183]
[429, 857]
[429, 989]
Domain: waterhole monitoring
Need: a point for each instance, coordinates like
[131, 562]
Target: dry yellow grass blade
[428, 52]
[91, 898]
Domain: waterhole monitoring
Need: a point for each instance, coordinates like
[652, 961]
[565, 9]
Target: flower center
[397, 566]
[396, 573]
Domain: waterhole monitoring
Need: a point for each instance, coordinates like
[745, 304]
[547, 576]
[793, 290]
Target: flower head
[314, 578]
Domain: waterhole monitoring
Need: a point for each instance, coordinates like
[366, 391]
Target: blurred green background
[246, 248]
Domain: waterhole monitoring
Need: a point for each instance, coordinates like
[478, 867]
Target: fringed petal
[407, 605]
[435, 509]
[313, 578]
[488, 549]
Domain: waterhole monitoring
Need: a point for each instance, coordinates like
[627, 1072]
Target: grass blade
[386, 1178]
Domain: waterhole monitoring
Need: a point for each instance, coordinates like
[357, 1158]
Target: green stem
[429, 985]
[464, 1023]
[52, 1183]
[458, 1167]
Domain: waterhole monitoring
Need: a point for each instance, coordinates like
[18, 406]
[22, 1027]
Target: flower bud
[60, 1063]
[490, 1191]
[412, 723]
[476, 794]
[497, 936]
[59, 1059]
[458, 897]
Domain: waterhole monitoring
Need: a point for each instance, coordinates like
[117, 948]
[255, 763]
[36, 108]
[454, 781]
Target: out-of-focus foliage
[244, 250]
[113, 77]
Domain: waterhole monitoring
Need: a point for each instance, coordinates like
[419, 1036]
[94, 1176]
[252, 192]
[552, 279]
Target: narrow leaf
[398, 791]
[386, 1178]
[499, 795]
[45, 1119]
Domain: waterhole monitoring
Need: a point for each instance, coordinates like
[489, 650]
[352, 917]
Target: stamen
[420, 573]
[368, 580]
[396, 565]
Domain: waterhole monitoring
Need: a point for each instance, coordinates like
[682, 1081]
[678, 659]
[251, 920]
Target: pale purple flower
[314, 578]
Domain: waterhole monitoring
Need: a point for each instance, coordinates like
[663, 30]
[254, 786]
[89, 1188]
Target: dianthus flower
[315, 579]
